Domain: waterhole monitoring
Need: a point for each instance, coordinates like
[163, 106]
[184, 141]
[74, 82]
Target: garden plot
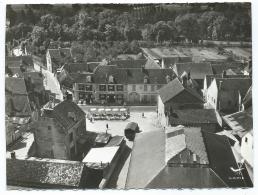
[240, 52]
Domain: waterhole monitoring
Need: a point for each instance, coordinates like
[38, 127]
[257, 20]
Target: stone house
[226, 94]
[176, 95]
[58, 131]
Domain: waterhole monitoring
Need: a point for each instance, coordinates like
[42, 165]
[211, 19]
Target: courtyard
[116, 127]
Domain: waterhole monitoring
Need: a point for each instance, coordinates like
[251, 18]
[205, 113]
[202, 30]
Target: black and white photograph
[128, 96]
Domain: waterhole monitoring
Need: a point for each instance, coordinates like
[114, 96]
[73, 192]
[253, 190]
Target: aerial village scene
[128, 96]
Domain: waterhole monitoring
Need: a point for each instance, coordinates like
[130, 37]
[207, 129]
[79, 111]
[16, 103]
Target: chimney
[224, 74]
[142, 68]
[189, 75]
[168, 79]
[13, 156]
[184, 81]
[220, 85]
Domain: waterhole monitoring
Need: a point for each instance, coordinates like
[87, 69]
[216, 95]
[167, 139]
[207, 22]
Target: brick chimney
[184, 81]
[13, 156]
[224, 74]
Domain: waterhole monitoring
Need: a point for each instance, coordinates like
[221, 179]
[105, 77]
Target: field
[197, 53]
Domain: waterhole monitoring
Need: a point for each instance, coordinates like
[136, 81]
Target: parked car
[130, 130]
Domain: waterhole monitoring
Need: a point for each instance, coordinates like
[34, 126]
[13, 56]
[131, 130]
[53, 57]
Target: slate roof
[81, 67]
[185, 177]
[17, 105]
[150, 171]
[193, 116]
[143, 164]
[151, 64]
[81, 77]
[238, 84]
[173, 88]
[17, 60]
[15, 85]
[139, 56]
[38, 173]
[239, 122]
[102, 73]
[219, 68]
[155, 76]
[197, 70]
[150, 53]
[61, 112]
[129, 63]
[37, 80]
[57, 54]
[221, 159]
[115, 141]
[15, 71]
[209, 78]
[185, 142]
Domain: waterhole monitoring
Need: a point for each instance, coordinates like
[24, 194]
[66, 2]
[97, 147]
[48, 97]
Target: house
[226, 94]
[184, 158]
[16, 66]
[198, 71]
[177, 95]
[225, 74]
[55, 58]
[58, 131]
[103, 161]
[208, 119]
[36, 90]
[111, 84]
[143, 84]
[247, 152]
[16, 98]
[15, 128]
[48, 174]
[241, 124]
[117, 84]
[17, 108]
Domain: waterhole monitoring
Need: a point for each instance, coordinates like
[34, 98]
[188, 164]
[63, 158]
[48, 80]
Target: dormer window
[72, 116]
[111, 79]
[168, 78]
[146, 79]
[88, 79]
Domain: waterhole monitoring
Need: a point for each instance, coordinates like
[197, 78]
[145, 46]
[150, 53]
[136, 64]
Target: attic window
[111, 79]
[72, 116]
[88, 79]
[168, 79]
[146, 79]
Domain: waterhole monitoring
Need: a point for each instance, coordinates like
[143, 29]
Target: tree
[222, 26]
[187, 26]
[38, 35]
[11, 15]
[163, 32]
[112, 34]
[30, 16]
[132, 34]
[206, 23]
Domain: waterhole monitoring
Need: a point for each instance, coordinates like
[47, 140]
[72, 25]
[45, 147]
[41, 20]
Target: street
[51, 83]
